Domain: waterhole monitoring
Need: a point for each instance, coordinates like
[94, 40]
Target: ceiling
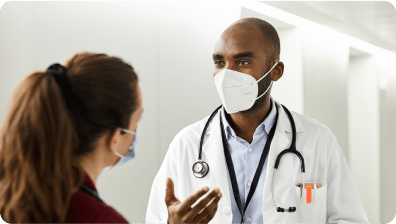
[371, 21]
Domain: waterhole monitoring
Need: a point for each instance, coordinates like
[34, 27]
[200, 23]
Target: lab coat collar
[265, 126]
[282, 116]
[286, 125]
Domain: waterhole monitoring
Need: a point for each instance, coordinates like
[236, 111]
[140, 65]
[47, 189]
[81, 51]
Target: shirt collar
[87, 180]
[89, 183]
[227, 128]
[266, 125]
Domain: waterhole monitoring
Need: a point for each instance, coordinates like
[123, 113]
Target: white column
[363, 127]
[387, 70]
[325, 66]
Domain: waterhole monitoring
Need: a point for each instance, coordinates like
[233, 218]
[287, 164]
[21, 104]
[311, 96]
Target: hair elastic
[59, 73]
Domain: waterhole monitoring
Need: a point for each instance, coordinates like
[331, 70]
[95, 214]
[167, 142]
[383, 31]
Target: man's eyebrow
[247, 54]
[217, 56]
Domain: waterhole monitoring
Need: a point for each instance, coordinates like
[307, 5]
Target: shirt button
[226, 210]
[250, 149]
[249, 219]
[249, 184]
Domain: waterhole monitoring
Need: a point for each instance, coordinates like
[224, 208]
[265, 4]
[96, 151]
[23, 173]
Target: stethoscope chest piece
[200, 169]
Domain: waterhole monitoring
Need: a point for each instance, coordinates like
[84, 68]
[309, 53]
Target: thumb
[170, 197]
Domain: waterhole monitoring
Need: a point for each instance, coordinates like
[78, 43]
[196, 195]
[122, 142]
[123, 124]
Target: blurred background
[340, 69]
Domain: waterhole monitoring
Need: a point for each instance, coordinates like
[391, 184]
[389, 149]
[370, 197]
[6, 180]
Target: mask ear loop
[265, 76]
[129, 132]
[265, 91]
[120, 155]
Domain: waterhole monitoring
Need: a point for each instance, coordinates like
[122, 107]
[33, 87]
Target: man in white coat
[244, 138]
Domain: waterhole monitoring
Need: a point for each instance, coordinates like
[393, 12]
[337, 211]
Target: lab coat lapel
[214, 152]
[283, 181]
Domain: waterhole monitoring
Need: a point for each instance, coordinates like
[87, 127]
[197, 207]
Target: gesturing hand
[181, 212]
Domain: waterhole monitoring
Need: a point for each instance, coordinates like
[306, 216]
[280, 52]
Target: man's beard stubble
[262, 86]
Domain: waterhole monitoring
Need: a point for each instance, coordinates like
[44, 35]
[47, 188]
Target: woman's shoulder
[109, 215]
[84, 208]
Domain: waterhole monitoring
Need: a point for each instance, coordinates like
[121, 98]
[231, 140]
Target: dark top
[84, 208]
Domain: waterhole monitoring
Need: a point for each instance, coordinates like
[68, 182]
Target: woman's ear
[112, 140]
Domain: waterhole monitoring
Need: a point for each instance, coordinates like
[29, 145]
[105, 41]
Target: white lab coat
[337, 201]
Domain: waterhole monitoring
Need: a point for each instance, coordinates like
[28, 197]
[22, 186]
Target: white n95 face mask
[238, 91]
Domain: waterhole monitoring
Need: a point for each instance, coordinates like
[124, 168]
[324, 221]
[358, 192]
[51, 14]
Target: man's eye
[244, 63]
[217, 63]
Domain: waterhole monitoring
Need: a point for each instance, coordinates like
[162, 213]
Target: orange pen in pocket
[309, 193]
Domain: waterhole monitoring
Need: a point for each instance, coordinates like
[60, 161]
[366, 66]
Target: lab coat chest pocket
[309, 212]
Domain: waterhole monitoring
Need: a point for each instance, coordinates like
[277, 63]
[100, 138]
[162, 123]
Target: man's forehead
[237, 41]
[235, 48]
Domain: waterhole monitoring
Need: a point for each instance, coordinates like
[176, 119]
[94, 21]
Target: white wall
[364, 132]
[387, 71]
[34, 35]
[325, 66]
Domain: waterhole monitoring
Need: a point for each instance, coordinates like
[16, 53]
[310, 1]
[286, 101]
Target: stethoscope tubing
[291, 149]
[204, 131]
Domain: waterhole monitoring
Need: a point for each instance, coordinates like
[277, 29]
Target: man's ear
[277, 72]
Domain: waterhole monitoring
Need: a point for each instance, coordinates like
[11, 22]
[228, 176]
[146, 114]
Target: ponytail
[36, 144]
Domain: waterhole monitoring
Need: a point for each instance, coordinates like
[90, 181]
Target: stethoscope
[201, 168]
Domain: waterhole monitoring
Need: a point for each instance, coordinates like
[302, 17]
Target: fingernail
[220, 195]
[217, 190]
[205, 189]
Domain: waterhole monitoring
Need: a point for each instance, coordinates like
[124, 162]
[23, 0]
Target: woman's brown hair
[42, 136]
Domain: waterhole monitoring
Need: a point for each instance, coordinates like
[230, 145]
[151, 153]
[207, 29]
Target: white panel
[387, 70]
[36, 34]
[363, 127]
[15, 51]
[325, 62]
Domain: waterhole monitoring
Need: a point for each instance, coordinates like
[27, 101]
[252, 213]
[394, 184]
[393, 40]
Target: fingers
[186, 205]
[210, 216]
[209, 211]
[204, 202]
[170, 197]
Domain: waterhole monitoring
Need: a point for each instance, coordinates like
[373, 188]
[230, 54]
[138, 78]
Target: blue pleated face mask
[131, 151]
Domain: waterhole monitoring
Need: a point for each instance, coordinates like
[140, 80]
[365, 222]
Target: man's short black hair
[272, 42]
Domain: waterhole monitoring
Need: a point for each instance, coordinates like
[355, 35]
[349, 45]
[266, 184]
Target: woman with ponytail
[64, 126]
[67, 124]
